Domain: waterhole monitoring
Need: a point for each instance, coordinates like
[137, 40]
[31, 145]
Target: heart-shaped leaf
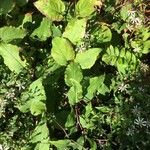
[75, 30]
[62, 51]
[87, 58]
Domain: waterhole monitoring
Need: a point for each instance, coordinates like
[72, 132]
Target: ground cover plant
[75, 75]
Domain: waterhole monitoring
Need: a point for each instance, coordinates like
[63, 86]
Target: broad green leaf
[85, 8]
[73, 71]
[62, 51]
[103, 89]
[95, 84]
[10, 54]
[86, 123]
[71, 120]
[75, 30]
[37, 107]
[34, 99]
[75, 93]
[43, 145]
[9, 33]
[60, 144]
[43, 31]
[87, 58]
[38, 97]
[52, 9]
[56, 32]
[6, 6]
[93, 144]
[146, 46]
[124, 13]
[40, 133]
[101, 34]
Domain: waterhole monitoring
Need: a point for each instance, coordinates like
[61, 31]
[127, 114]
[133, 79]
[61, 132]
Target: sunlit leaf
[52, 9]
[43, 31]
[62, 51]
[96, 83]
[40, 133]
[101, 34]
[10, 54]
[146, 46]
[44, 145]
[85, 8]
[75, 92]
[87, 58]
[75, 30]
[73, 71]
[34, 99]
[9, 33]
[60, 144]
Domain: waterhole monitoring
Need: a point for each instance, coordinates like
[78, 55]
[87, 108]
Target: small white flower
[136, 110]
[130, 132]
[132, 14]
[33, 22]
[140, 122]
[81, 47]
[141, 89]
[20, 85]
[144, 67]
[123, 87]
[10, 95]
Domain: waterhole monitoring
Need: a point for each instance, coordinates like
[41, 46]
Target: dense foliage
[74, 74]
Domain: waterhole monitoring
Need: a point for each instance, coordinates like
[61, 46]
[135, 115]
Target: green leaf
[121, 58]
[103, 109]
[40, 133]
[10, 54]
[6, 6]
[52, 9]
[95, 85]
[7, 34]
[61, 144]
[75, 92]
[34, 99]
[87, 58]
[124, 13]
[43, 145]
[101, 34]
[103, 89]
[56, 32]
[75, 30]
[27, 19]
[62, 51]
[71, 120]
[85, 8]
[38, 97]
[93, 144]
[43, 31]
[86, 123]
[73, 71]
[146, 46]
